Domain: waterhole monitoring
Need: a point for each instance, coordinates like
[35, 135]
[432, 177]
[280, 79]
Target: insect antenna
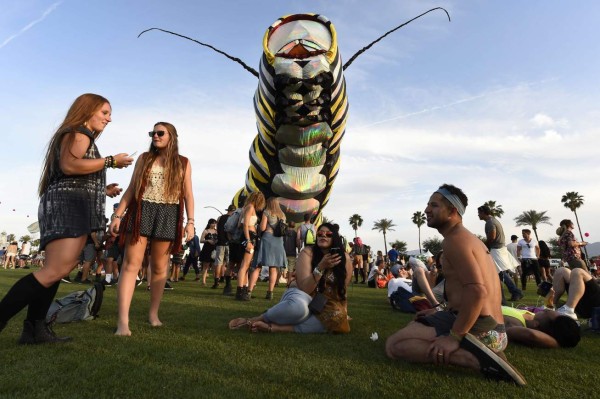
[242, 63]
[359, 52]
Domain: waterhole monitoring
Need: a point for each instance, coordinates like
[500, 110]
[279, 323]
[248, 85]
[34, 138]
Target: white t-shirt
[372, 273]
[396, 283]
[26, 248]
[528, 249]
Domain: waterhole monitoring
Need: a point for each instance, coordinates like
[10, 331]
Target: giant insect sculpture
[301, 109]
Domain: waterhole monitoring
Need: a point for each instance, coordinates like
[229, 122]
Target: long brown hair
[173, 172]
[257, 199]
[274, 208]
[81, 111]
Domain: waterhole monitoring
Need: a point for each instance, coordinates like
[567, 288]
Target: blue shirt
[393, 255]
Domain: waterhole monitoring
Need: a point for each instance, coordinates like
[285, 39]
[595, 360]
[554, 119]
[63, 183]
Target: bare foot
[238, 323]
[260, 326]
[155, 322]
[123, 332]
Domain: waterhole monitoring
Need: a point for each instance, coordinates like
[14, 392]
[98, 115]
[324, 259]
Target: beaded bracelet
[114, 162]
[106, 162]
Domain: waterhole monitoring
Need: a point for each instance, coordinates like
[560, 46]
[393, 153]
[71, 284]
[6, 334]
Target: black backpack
[77, 306]
[280, 228]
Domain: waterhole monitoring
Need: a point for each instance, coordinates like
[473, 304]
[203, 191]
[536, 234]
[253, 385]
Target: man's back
[493, 224]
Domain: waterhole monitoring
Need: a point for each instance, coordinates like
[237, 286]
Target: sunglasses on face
[324, 234]
[159, 133]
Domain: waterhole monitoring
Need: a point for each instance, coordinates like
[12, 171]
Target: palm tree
[355, 221]
[497, 210]
[384, 225]
[419, 219]
[25, 238]
[532, 218]
[10, 238]
[573, 201]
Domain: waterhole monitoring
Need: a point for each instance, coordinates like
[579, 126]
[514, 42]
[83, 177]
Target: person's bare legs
[134, 256]
[253, 278]
[242, 277]
[261, 326]
[159, 261]
[562, 276]
[205, 267]
[577, 286]
[412, 344]
[61, 256]
[273, 277]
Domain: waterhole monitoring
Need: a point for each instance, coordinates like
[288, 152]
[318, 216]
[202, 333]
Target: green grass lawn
[194, 355]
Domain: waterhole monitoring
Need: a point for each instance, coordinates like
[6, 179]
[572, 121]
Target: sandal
[238, 323]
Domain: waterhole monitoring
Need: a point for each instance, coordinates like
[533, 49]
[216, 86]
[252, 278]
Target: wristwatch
[317, 271]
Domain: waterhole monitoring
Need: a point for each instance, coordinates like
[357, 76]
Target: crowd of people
[461, 314]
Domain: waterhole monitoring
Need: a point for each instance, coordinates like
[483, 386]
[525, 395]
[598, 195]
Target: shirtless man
[470, 333]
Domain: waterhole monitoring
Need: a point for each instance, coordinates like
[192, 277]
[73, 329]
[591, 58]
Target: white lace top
[155, 188]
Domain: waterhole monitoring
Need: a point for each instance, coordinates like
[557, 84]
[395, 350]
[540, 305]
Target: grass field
[194, 355]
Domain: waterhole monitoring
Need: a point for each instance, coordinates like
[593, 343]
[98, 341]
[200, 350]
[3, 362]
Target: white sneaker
[564, 310]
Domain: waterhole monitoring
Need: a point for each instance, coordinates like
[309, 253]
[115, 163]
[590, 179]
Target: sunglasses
[159, 133]
[324, 234]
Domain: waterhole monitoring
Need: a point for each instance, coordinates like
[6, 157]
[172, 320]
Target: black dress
[207, 248]
[73, 206]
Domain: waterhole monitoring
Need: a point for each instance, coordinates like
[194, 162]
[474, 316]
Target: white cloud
[542, 120]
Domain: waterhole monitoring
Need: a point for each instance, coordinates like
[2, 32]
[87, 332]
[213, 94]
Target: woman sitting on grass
[321, 269]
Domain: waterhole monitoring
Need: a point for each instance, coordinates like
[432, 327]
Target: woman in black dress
[72, 200]
[209, 241]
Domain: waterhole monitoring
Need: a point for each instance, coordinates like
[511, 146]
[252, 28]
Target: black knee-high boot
[21, 294]
[356, 275]
[38, 308]
[35, 329]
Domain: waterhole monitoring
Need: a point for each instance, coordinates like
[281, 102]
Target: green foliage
[194, 355]
[419, 219]
[555, 249]
[355, 221]
[384, 225]
[10, 237]
[497, 210]
[25, 238]
[572, 200]
[433, 245]
[532, 218]
[401, 246]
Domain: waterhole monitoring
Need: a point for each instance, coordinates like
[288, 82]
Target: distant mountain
[593, 249]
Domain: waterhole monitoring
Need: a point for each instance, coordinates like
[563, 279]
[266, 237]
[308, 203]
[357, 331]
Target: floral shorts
[485, 329]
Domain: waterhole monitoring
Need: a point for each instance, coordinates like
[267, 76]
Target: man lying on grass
[544, 329]
[470, 333]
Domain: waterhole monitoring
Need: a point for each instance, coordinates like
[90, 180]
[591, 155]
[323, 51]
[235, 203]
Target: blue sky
[502, 101]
